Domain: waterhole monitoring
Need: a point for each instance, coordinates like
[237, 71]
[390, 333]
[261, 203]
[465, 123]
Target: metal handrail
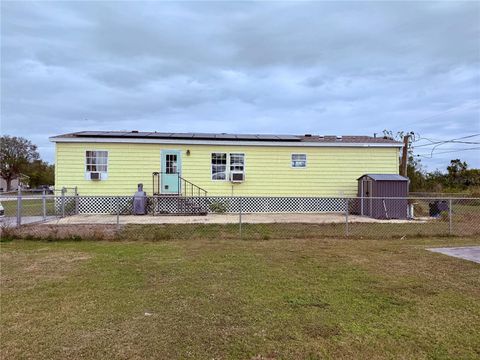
[181, 181]
[192, 184]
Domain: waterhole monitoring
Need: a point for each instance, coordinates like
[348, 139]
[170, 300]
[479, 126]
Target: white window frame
[228, 170]
[226, 166]
[230, 164]
[292, 161]
[103, 174]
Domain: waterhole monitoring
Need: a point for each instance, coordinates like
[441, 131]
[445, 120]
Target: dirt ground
[324, 218]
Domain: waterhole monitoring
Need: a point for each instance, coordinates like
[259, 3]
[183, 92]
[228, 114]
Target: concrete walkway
[12, 220]
[471, 253]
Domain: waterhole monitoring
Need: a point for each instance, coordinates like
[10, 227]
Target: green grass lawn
[232, 299]
[30, 207]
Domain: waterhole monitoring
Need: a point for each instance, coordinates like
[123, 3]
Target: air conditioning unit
[237, 176]
[95, 176]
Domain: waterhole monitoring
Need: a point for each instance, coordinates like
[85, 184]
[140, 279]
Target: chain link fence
[71, 216]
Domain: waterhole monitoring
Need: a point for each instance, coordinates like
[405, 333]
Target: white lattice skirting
[212, 204]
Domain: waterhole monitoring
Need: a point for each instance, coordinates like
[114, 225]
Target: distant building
[13, 184]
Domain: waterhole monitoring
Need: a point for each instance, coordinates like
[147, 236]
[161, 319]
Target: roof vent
[135, 131]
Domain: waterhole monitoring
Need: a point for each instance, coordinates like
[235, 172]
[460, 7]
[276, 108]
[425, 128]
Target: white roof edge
[220, 142]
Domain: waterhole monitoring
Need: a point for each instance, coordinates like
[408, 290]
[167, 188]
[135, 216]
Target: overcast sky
[289, 67]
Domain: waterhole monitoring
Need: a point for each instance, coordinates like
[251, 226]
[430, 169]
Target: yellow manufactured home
[113, 163]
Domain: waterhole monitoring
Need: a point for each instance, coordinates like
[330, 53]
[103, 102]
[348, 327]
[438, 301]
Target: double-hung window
[299, 160]
[237, 162]
[96, 161]
[219, 166]
[223, 164]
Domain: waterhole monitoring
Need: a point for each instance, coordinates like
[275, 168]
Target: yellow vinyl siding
[330, 171]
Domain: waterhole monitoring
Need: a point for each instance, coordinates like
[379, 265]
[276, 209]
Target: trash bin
[437, 207]
[442, 206]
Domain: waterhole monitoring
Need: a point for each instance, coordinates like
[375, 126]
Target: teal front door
[171, 170]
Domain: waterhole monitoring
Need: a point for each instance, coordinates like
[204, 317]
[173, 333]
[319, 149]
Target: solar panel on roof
[116, 134]
[159, 135]
[226, 136]
[267, 137]
[288, 137]
[134, 134]
[90, 133]
[182, 136]
[204, 136]
[246, 137]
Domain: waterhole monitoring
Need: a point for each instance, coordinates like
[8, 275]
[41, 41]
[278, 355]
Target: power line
[440, 142]
[452, 148]
[448, 152]
[420, 138]
[453, 142]
[436, 146]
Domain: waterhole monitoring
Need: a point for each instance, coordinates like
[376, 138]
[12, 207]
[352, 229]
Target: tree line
[457, 178]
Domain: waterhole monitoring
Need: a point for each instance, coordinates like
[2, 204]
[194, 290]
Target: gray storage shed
[375, 192]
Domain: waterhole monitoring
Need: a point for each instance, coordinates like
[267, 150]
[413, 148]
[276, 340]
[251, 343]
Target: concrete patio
[471, 253]
[257, 218]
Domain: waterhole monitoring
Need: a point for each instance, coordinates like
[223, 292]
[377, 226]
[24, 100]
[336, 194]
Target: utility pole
[403, 166]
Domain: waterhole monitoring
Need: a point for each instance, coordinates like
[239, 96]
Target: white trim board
[221, 142]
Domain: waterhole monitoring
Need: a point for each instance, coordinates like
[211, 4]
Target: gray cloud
[320, 67]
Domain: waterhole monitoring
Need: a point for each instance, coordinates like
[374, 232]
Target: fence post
[76, 200]
[450, 216]
[63, 201]
[19, 206]
[118, 212]
[240, 217]
[346, 216]
[44, 204]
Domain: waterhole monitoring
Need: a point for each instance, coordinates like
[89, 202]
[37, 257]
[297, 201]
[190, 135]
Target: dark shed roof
[385, 177]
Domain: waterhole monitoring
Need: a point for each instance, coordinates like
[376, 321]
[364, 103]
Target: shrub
[218, 207]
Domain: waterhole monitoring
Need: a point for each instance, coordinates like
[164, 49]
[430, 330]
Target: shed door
[171, 170]
[367, 187]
